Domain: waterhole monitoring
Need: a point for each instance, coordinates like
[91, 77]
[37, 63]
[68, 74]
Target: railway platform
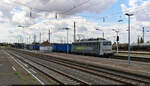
[11, 73]
[134, 52]
[7, 71]
[135, 55]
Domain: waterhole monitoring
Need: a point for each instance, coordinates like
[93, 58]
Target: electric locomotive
[99, 46]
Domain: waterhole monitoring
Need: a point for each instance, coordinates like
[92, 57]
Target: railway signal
[117, 32]
[117, 38]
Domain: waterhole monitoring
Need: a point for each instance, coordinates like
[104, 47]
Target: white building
[45, 47]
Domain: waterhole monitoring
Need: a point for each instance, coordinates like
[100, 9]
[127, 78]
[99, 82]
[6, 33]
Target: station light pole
[143, 34]
[117, 32]
[40, 37]
[102, 36]
[102, 32]
[67, 38]
[49, 36]
[129, 15]
[26, 27]
[74, 31]
[21, 41]
[114, 39]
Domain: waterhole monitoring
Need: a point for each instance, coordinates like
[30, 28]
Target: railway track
[119, 77]
[87, 78]
[59, 77]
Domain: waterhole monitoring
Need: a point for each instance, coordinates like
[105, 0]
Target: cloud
[62, 8]
[140, 9]
[140, 19]
[56, 27]
[15, 13]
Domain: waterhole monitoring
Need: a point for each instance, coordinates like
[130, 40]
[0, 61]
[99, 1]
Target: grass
[20, 77]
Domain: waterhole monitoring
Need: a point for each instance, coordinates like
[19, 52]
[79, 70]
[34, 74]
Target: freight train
[97, 46]
[26, 46]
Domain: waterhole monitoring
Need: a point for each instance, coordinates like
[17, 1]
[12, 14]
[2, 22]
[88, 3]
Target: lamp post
[114, 39]
[49, 36]
[102, 31]
[67, 38]
[22, 37]
[74, 31]
[24, 27]
[144, 33]
[129, 36]
[117, 32]
[102, 39]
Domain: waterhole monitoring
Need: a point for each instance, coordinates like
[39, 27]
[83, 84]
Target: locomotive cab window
[107, 43]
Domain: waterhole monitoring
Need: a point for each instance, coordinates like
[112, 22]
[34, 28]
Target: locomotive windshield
[107, 43]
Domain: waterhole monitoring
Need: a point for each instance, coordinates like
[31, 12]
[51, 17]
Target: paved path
[8, 75]
[12, 73]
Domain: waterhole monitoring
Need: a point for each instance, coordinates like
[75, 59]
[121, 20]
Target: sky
[39, 16]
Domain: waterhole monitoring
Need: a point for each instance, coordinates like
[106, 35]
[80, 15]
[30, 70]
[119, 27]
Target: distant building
[45, 47]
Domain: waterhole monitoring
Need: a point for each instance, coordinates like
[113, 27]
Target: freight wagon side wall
[62, 47]
[21, 46]
[36, 47]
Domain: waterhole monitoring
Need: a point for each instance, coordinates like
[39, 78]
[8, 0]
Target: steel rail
[36, 68]
[111, 76]
[66, 75]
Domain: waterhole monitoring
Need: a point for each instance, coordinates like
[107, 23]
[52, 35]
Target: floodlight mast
[67, 38]
[102, 32]
[129, 15]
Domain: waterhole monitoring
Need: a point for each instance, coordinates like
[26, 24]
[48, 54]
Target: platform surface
[141, 54]
[12, 73]
[8, 75]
